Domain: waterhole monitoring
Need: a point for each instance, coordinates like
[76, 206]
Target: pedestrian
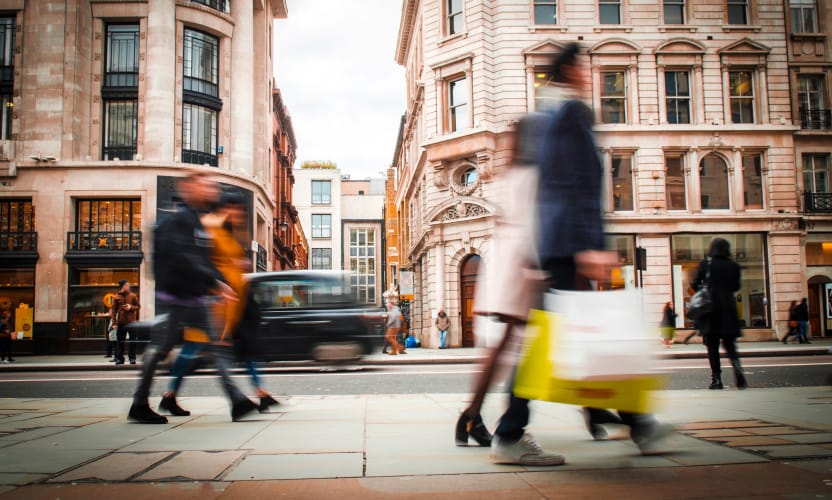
[570, 246]
[668, 325]
[124, 310]
[6, 337]
[722, 276]
[187, 283]
[792, 323]
[801, 313]
[395, 325]
[443, 324]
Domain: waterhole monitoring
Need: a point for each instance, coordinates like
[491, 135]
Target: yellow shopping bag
[537, 377]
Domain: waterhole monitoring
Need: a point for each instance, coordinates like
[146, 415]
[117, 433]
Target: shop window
[748, 249]
[17, 226]
[713, 183]
[819, 253]
[623, 276]
[17, 287]
[752, 181]
[90, 295]
[112, 224]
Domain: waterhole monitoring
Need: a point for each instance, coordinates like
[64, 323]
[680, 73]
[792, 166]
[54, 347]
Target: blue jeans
[443, 336]
[803, 331]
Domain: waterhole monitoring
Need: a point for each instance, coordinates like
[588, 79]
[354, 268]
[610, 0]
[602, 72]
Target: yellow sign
[23, 322]
[108, 299]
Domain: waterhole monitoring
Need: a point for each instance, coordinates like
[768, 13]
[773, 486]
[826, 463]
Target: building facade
[362, 242]
[694, 119]
[317, 196]
[104, 104]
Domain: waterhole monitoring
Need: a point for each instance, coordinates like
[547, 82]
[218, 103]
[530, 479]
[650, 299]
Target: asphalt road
[411, 379]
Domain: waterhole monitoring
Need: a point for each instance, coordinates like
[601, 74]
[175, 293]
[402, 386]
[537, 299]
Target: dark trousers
[121, 340]
[6, 348]
[730, 346]
[111, 347]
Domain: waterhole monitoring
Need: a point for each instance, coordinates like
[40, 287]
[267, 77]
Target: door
[468, 287]
[815, 309]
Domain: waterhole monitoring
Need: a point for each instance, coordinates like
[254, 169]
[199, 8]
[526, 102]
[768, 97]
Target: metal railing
[817, 202]
[19, 241]
[198, 157]
[816, 119]
[201, 86]
[119, 152]
[121, 79]
[220, 5]
[94, 241]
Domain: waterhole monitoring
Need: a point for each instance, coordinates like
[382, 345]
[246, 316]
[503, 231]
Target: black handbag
[701, 304]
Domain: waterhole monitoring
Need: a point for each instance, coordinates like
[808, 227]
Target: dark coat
[668, 317]
[121, 316]
[569, 192]
[801, 312]
[723, 320]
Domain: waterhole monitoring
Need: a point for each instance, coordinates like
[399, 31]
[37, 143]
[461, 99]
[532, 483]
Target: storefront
[819, 282]
[91, 290]
[18, 257]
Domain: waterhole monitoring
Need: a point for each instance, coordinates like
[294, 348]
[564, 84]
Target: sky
[334, 64]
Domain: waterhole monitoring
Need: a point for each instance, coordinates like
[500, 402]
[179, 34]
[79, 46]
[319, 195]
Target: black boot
[142, 414]
[742, 383]
[169, 404]
[716, 383]
[242, 408]
[265, 403]
[472, 427]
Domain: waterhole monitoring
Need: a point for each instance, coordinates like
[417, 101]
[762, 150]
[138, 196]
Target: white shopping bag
[600, 335]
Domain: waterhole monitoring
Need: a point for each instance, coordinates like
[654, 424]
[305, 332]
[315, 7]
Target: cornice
[409, 9]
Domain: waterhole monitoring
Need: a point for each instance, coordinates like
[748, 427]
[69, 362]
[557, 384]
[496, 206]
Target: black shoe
[265, 403]
[242, 408]
[716, 384]
[132, 361]
[121, 362]
[471, 427]
[169, 404]
[142, 414]
[742, 383]
[384, 351]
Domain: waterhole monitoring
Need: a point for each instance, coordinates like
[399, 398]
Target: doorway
[819, 306]
[468, 288]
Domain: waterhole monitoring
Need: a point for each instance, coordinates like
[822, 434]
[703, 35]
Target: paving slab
[127, 491]
[749, 441]
[793, 451]
[115, 467]
[778, 430]
[19, 479]
[814, 438]
[22, 457]
[309, 437]
[716, 433]
[422, 465]
[193, 465]
[724, 424]
[297, 466]
[203, 433]
[31, 434]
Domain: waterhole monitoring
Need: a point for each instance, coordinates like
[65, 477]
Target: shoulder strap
[708, 273]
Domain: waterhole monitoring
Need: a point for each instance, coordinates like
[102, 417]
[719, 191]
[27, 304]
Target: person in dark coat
[722, 324]
[801, 315]
[792, 324]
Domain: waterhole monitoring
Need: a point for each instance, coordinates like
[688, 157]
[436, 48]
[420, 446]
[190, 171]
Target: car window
[290, 294]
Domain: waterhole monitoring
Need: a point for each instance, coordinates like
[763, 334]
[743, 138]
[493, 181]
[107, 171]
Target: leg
[183, 365]
[730, 345]
[223, 359]
[121, 335]
[712, 342]
[131, 348]
[803, 328]
[164, 336]
[443, 335]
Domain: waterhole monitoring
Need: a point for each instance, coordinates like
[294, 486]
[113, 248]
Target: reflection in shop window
[623, 276]
[819, 253]
[17, 286]
[748, 249]
[90, 290]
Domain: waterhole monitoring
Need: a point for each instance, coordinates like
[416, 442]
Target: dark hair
[720, 248]
[122, 283]
[567, 57]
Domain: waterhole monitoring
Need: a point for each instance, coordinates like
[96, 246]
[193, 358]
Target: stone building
[104, 104]
[317, 196]
[694, 119]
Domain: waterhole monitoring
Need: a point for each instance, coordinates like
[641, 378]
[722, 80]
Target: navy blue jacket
[569, 193]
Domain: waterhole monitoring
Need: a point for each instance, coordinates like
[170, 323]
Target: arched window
[713, 181]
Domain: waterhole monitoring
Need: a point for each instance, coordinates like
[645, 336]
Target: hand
[127, 307]
[226, 292]
[596, 264]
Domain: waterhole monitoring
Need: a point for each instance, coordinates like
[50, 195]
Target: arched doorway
[820, 305]
[467, 289]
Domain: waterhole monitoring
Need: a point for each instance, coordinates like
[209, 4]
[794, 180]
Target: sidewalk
[768, 443]
[417, 356]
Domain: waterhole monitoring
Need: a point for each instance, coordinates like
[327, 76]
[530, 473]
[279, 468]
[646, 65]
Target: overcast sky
[334, 64]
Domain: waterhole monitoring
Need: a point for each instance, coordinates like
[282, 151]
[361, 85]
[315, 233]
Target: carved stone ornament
[485, 165]
[440, 175]
[455, 176]
[462, 211]
[788, 224]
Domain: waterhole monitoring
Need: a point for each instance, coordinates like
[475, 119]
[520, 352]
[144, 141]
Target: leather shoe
[242, 408]
[169, 404]
[142, 414]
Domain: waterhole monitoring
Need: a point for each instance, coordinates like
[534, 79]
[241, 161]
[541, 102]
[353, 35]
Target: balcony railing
[14, 242]
[262, 259]
[118, 241]
[816, 119]
[200, 86]
[119, 152]
[121, 79]
[198, 157]
[220, 5]
[817, 202]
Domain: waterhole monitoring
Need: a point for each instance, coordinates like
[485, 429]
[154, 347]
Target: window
[17, 285]
[609, 11]
[321, 192]
[200, 64]
[545, 12]
[469, 177]
[742, 96]
[321, 226]
[199, 135]
[674, 11]
[321, 259]
[363, 264]
[120, 92]
[675, 184]
[122, 56]
[713, 181]
[542, 97]
[458, 104]
[804, 16]
[17, 226]
[89, 295]
[622, 183]
[811, 102]
[454, 19]
[624, 245]
[7, 29]
[677, 96]
[748, 249]
[120, 129]
[6, 115]
[220, 5]
[737, 11]
[107, 224]
[752, 181]
[613, 97]
[816, 173]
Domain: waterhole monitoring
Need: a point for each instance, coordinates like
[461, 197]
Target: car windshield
[294, 293]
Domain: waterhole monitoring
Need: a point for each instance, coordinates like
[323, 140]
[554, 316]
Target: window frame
[448, 18]
[113, 78]
[322, 200]
[746, 12]
[7, 50]
[812, 116]
[815, 17]
[545, 3]
[760, 159]
[753, 98]
[728, 183]
[323, 253]
[619, 4]
[197, 156]
[814, 156]
[195, 85]
[682, 158]
[676, 3]
[363, 254]
[111, 150]
[630, 156]
[677, 98]
[321, 231]
[452, 121]
[624, 97]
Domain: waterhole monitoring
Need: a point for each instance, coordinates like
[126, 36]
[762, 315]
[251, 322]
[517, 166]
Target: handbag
[793, 324]
[701, 304]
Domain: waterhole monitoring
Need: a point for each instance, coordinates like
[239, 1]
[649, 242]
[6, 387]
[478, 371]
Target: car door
[282, 306]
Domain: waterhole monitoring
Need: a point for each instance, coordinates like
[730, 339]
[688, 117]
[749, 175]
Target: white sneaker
[523, 452]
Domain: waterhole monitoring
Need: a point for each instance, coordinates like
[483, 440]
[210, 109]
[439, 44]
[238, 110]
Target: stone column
[762, 84]
[697, 95]
[242, 88]
[692, 173]
[662, 90]
[726, 95]
[160, 81]
[736, 181]
[632, 91]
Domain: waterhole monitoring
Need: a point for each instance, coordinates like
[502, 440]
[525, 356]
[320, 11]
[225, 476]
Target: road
[410, 379]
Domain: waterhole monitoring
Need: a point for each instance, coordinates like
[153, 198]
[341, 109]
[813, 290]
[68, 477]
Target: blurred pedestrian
[124, 310]
[443, 324]
[395, 325]
[792, 324]
[187, 283]
[801, 313]
[668, 325]
[722, 323]
[6, 337]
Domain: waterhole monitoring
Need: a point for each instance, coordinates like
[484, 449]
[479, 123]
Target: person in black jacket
[792, 324]
[801, 315]
[187, 282]
[722, 323]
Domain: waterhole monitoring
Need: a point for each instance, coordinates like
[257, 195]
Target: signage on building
[406, 285]
[23, 321]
